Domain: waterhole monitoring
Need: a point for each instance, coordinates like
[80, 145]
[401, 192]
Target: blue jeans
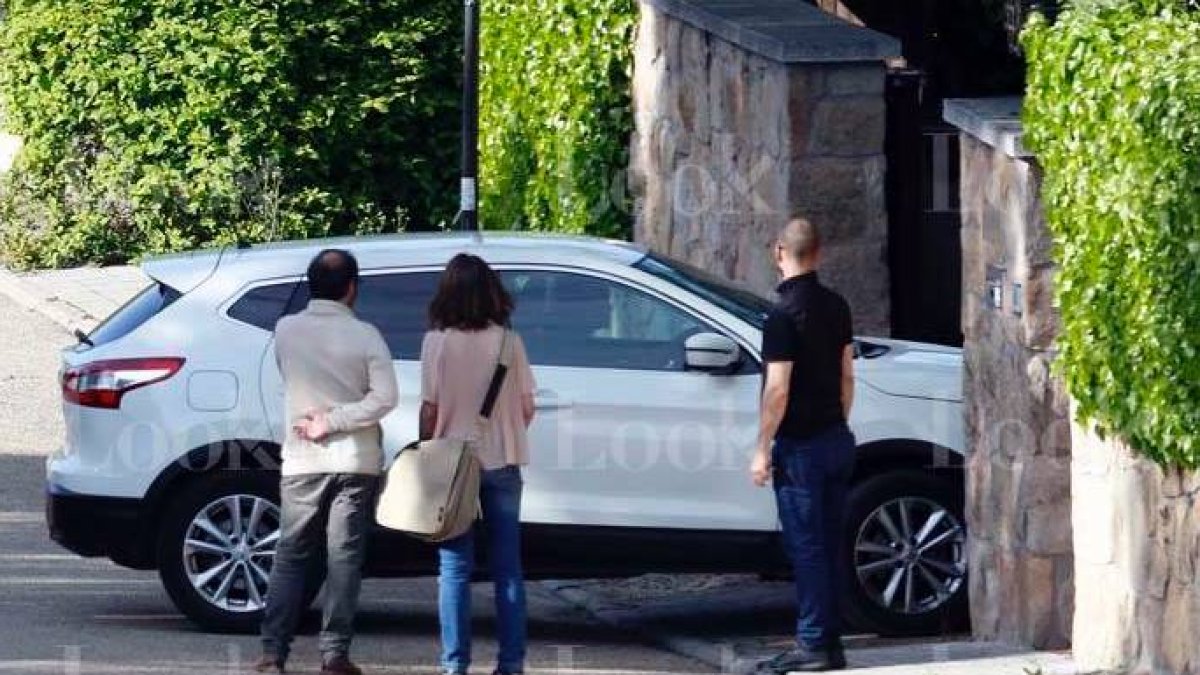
[811, 478]
[500, 497]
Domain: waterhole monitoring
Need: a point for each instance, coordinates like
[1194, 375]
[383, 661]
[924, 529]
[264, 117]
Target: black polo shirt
[809, 327]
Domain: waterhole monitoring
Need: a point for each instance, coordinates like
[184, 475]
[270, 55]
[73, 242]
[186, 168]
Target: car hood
[911, 369]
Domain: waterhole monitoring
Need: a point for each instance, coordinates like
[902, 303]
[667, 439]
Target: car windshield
[744, 304]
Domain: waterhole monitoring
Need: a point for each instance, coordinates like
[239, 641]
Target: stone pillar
[748, 112]
[1018, 506]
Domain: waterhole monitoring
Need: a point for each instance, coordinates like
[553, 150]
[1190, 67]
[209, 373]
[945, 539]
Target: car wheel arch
[237, 455]
[186, 548]
[895, 463]
[882, 456]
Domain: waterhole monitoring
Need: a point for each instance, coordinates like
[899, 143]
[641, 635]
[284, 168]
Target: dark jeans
[319, 512]
[811, 477]
[500, 497]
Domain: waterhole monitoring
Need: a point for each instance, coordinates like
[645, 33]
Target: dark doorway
[924, 220]
[952, 48]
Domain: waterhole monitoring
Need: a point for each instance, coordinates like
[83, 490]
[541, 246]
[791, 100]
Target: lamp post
[469, 184]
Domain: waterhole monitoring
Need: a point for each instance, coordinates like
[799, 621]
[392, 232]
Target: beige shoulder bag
[431, 491]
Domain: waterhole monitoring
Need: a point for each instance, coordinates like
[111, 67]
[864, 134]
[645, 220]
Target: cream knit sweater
[332, 361]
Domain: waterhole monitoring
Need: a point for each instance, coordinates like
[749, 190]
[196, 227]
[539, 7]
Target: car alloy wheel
[910, 555]
[229, 549]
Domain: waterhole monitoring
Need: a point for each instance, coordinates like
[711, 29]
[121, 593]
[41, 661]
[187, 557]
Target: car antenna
[83, 338]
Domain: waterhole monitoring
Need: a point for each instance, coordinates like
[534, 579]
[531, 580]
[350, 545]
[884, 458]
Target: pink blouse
[456, 368]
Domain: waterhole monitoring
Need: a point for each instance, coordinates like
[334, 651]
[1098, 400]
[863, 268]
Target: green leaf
[1113, 113]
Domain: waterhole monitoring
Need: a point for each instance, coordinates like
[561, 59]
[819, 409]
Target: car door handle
[545, 399]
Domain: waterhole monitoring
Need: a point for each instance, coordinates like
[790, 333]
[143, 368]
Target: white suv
[648, 373]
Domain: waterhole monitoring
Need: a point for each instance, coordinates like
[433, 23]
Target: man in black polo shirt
[804, 445]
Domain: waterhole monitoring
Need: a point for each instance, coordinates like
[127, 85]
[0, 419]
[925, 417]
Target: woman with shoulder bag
[468, 320]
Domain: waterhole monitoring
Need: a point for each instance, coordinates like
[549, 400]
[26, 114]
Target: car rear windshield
[746, 305]
[155, 298]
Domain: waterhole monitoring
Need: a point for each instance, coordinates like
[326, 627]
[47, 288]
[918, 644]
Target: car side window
[581, 321]
[265, 305]
[395, 303]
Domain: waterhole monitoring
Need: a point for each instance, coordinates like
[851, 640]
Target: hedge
[1113, 114]
[160, 125]
[555, 114]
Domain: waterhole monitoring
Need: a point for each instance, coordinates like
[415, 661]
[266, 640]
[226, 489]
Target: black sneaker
[340, 665]
[837, 658]
[799, 660]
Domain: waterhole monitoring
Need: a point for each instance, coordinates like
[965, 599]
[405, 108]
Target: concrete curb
[65, 315]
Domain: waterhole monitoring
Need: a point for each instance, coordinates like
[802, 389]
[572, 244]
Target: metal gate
[924, 221]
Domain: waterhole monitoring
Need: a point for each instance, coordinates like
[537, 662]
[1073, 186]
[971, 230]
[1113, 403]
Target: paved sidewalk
[73, 298]
[733, 622]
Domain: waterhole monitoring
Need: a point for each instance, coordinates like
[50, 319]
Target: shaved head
[800, 239]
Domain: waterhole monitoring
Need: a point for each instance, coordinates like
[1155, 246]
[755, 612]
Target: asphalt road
[66, 615]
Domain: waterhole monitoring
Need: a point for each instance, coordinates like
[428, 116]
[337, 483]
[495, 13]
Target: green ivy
[161, 125]
[555, 114]
[1113, 113]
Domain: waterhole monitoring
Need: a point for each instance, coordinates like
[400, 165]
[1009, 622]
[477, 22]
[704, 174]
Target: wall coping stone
[995, 121]
[786, 31]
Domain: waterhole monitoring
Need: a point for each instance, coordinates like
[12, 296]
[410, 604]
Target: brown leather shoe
[268, 664]
[340, 665]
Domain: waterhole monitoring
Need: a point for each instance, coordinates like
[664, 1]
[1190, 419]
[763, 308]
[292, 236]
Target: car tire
[189, 550]
[881, 560]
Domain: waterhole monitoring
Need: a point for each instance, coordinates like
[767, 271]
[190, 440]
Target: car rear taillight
[103, 383]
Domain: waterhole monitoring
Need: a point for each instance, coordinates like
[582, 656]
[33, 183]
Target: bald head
[332, 275]
[800, 240]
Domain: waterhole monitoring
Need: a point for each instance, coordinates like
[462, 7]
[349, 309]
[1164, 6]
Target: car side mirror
[711, 353]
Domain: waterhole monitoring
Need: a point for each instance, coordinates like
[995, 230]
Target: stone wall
[1073, 538]
[1018, 507]
[1137, 553]
[729, 142]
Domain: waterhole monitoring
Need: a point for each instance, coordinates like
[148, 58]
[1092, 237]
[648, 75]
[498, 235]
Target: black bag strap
[493, 390]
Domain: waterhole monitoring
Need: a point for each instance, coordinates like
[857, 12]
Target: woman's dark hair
[470, 296]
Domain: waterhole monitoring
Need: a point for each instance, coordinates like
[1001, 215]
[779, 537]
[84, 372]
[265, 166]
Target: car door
[625, 435]
[395, 302]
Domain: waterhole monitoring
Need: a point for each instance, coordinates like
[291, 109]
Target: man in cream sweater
[340, 383]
